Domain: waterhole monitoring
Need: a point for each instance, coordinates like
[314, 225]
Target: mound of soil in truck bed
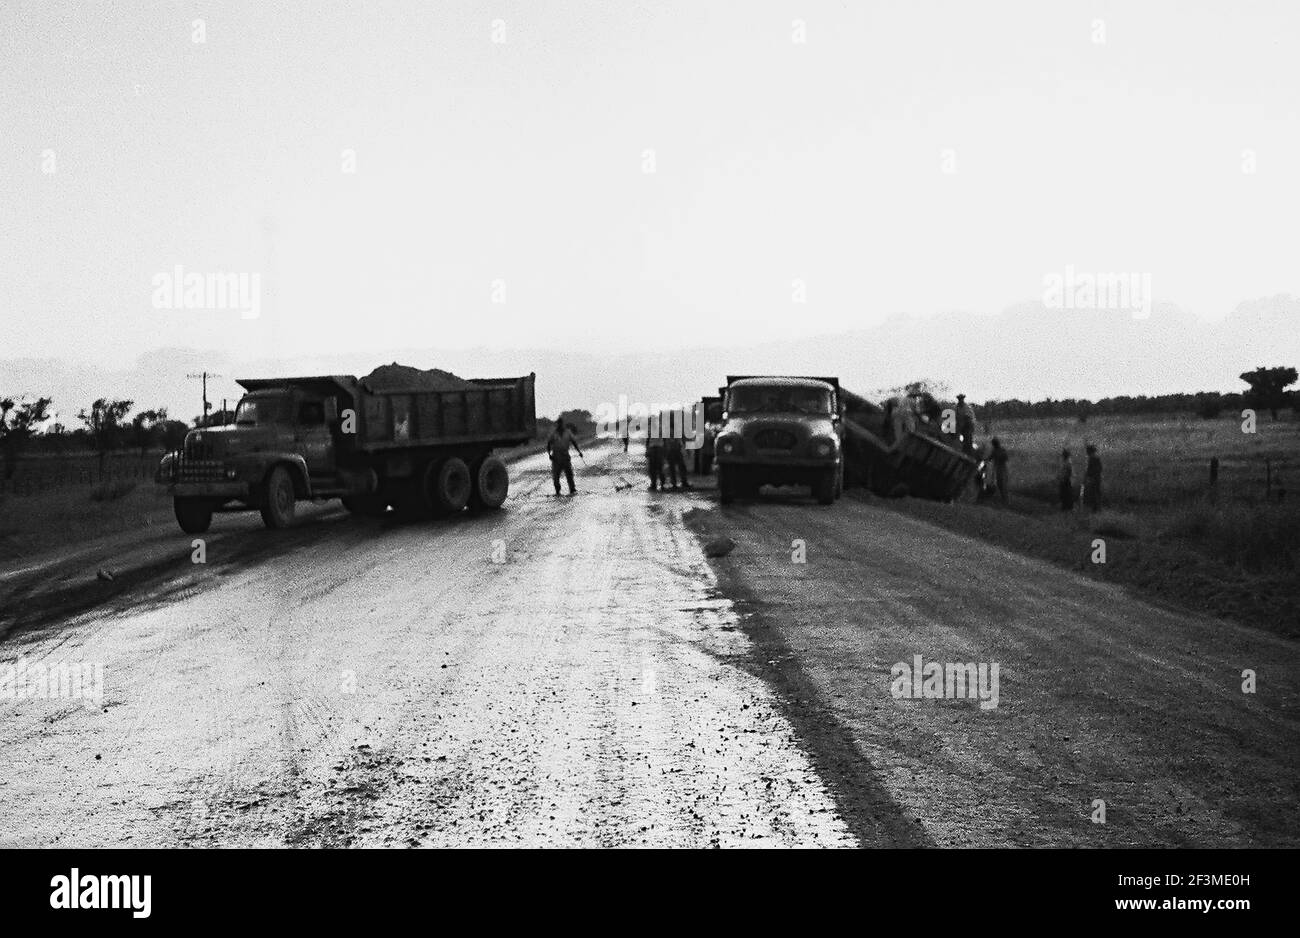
[402, 377]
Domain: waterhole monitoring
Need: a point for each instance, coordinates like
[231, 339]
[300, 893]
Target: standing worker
[965, 424]
[1092, 480]
[676, 460]
[557, 447]
[654, 455]
[999, 458]
[1065, 481]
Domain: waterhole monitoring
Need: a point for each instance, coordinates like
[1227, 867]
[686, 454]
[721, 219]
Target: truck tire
[278, 499]
[726, 484]
[194, 515]
[367, 506]
[449, 485]
[491, 483]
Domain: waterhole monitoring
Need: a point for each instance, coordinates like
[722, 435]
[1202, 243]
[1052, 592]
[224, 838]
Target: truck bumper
[223, 490]
[778, 462]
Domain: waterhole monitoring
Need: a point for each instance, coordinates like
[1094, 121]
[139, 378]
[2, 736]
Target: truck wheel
[194, 515]
[726, 485]
[278, 499]
[491, 483]
[824, 487]
[449, 485]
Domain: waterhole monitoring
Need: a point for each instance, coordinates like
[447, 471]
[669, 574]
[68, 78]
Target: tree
[147, 428]
[104, 421]
[583, 422]
[18, 420]
[1268, 387]
[173, 433]
[1208, 405]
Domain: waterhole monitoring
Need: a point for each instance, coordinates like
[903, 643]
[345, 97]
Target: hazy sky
[914, 158]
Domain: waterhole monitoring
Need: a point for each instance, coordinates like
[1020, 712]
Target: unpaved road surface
[575, 671]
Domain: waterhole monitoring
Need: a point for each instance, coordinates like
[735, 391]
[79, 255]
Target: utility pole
[206, 406]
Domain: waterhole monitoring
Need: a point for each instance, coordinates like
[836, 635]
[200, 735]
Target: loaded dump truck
[780, 431]
[418, 442]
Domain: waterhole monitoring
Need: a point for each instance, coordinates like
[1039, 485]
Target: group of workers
[662, 452]
[904, 412]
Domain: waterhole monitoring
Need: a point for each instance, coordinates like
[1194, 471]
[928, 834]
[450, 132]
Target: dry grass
[70, 516]
[1156, 482]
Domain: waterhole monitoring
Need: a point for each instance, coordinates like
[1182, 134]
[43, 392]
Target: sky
[607, 180]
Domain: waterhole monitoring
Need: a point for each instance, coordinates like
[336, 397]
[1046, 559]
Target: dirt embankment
[1169, 572]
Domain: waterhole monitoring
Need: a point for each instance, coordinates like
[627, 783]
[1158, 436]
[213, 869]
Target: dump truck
[780, 430]
[920, 463]
[422, 451]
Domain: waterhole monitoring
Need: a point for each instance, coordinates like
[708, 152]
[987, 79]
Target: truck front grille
[774, 439]
[199, 470]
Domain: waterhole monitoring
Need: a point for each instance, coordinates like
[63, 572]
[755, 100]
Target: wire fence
[36, 480]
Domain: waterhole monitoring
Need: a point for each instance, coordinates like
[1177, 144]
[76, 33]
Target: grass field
[1156, 481]
[1232, 549]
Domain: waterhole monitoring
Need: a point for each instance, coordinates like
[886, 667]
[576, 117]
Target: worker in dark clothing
[999, 460]
[676, 460]
[654, 455]
[557, 447]
[1065, 482]
[965, 424]
[1092, 480]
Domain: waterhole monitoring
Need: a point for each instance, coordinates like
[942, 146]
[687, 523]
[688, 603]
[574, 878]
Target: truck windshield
[253, 411]
[755, 400]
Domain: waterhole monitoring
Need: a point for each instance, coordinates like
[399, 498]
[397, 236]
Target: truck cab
[780, 431]
[282, 446]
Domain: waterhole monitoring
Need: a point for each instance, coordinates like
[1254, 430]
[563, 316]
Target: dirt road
[574, 671]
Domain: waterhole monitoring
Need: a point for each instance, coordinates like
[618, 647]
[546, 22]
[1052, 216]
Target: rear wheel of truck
[194, 515]
[491, 483]
[278, 499]
[726, 484]
[824, 487]
[449, 485]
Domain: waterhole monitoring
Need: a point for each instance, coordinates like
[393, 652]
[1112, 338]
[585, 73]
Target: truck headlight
[727, 444]
[823, 447]
[231, 473]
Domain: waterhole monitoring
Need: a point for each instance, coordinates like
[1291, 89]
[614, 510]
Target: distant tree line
[1267, 391]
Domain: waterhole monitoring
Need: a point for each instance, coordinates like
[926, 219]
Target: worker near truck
[654, 457]
[999, 459]
[965, 424]
[557, 447]
[676, 460]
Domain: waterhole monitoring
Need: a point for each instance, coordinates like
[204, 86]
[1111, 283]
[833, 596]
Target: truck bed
[495, 411]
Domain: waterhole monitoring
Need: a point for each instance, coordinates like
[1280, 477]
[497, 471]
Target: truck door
[312, 436]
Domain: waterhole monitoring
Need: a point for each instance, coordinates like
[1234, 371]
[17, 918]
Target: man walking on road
[557, 447]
